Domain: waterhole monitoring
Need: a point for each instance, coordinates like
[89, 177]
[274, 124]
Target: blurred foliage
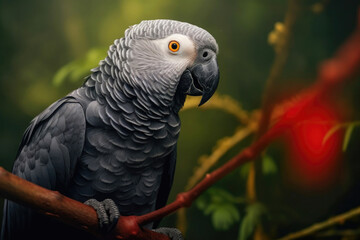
[48, 47]
[75, 70]
[221, 205]
[253, 216]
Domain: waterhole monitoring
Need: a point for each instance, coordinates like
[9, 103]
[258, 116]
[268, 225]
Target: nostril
[205, 54]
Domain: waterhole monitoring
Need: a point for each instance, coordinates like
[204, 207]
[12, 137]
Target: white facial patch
[186, 53]
[158, 61]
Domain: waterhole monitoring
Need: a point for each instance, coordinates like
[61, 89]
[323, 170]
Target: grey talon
[112, 209]
[107, 213]
[173, 233]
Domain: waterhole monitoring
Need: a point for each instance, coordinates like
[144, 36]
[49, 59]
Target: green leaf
[202, 202]
[76, 70]
[221, 206]
[268, 165]
[252, 218]
[349, 129]
[347, 136]
[224, 216]
[211, 208]
[62, 74]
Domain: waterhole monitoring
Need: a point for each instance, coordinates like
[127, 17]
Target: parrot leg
[107, 212]
[173, 233]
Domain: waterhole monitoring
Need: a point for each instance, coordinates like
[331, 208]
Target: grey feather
[46, 158]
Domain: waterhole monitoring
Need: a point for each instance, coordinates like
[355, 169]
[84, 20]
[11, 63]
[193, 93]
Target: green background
[40, 37]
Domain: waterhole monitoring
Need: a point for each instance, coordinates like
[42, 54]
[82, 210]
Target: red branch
[332, 73]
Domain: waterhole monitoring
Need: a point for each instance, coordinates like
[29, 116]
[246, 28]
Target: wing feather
[47, 156]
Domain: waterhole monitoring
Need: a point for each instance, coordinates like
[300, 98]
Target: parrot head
[168, 57]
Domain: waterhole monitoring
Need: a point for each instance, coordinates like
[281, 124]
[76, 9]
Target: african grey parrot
[112, 142]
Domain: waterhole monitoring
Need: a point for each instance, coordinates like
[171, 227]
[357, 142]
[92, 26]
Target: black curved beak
[202, 79]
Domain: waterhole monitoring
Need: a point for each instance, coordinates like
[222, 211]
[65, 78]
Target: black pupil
[174, 46]
[205, 54]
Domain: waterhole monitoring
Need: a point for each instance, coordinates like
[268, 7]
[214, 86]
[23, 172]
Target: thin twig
[340, 219]
[344, 234]
[282, 53]
[223, 146]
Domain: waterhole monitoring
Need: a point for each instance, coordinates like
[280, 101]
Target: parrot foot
[107, 212]
[172, 233]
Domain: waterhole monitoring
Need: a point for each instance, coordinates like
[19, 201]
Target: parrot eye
[174, 46]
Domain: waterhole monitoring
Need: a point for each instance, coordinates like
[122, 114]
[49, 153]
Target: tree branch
[48, 202]
[67, 210]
